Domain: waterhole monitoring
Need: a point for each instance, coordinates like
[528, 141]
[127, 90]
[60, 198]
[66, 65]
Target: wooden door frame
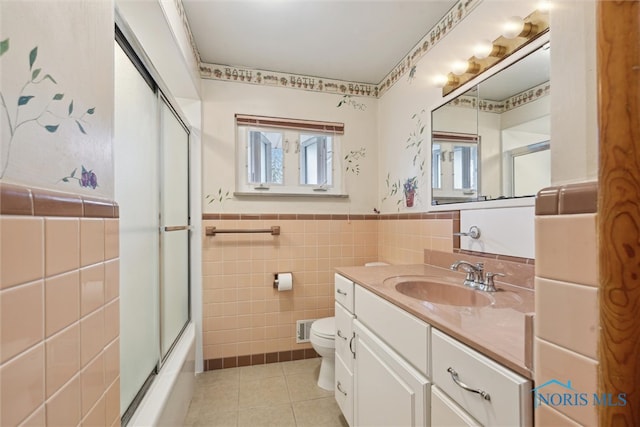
[618, 218]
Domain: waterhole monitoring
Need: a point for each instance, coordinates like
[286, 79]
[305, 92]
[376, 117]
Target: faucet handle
[479, 273]
[489, 285]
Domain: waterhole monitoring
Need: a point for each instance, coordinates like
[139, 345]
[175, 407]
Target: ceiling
[352, 40]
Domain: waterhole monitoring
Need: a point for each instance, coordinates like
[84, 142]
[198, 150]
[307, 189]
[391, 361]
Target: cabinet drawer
[445, 413]
[343, 389]
[344, 335]
[344, 292]
[509, 395]
[403, 332]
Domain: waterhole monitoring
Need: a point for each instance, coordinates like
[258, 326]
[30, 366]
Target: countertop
[501, 330]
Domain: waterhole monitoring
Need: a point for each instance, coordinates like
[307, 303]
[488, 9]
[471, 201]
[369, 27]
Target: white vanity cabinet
[394, 369]
[344, 342]
[485, 390]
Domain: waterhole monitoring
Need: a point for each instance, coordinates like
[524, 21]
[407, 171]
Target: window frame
[292, 131]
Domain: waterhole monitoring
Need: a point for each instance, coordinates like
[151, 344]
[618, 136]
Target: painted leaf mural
[46, 118]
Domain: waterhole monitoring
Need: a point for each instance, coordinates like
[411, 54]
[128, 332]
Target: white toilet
[322, 339]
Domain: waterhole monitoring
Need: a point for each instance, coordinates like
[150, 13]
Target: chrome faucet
[475, 272]
[475, 276]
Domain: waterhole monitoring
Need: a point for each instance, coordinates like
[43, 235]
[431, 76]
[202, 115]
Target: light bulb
[483, 49]
[545, 6]
[513, 27]
[440, 80]
[459, 67]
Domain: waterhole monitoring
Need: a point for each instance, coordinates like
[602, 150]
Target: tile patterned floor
[278, 394]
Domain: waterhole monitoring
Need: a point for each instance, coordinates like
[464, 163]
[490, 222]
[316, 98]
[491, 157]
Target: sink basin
[442, 293]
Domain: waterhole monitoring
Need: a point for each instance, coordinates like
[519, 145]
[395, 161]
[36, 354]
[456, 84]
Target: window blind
[455, 137]
[298, 124]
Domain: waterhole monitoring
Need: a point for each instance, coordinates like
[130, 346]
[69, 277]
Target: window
[287, 156]
[316, 160]
[265, 157]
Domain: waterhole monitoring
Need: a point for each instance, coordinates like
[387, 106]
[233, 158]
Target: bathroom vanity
[414, 347]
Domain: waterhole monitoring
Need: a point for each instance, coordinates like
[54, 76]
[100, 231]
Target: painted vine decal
[48, 119]
[406, 190]
[221, 196]
[347, 100]
[352, 160]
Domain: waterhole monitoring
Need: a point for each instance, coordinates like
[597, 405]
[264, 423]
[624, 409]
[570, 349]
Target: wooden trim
[283, 123]
[618, 219]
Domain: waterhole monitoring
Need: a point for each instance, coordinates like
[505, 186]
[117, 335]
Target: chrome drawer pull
[341, 292]
[339, 387]
[339, 333]
[454, 377]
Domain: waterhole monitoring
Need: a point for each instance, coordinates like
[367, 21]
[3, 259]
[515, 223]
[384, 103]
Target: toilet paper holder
[276, 279]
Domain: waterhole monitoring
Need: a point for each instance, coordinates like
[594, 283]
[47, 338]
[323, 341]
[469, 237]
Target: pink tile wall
[403, 241]
[244, 315]
[566, 322]
[59, 321]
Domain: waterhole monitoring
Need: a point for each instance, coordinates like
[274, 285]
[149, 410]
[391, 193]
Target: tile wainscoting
[59, 309]
[567, 322]
[246, 321]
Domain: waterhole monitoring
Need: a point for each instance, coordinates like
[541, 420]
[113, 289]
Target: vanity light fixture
[487, 48]
[460, 68]
[442, 80]
[517, 27]
[519, 32]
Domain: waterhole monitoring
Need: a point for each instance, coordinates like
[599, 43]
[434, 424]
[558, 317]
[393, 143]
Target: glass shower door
[174, 229]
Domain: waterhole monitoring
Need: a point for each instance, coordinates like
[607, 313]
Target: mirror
[492, 142]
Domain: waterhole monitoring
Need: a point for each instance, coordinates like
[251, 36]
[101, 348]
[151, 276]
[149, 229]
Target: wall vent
[304, 330]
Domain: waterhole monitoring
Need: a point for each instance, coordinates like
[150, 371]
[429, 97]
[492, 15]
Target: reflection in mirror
[509, 116]
[454, 166]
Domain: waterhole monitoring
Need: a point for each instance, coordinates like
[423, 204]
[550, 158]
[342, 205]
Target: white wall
[574, 121]
[74, 42]
[222, 100]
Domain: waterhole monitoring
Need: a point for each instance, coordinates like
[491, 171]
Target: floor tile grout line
[293, 412]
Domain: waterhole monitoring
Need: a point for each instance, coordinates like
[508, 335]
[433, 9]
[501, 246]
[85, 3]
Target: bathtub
[167, 400]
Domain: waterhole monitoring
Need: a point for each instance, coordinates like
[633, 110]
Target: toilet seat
[324, 328]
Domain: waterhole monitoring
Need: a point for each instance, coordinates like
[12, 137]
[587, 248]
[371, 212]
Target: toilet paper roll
[283, 282]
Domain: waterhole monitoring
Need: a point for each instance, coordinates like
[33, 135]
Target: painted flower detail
[411, 185]
[87, 179]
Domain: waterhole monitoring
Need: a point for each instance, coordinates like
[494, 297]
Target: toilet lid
[325, 328]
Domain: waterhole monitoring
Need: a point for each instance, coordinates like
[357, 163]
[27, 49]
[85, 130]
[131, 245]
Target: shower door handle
[177, 227]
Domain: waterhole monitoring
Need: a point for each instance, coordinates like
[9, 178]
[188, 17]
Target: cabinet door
[387, 390]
